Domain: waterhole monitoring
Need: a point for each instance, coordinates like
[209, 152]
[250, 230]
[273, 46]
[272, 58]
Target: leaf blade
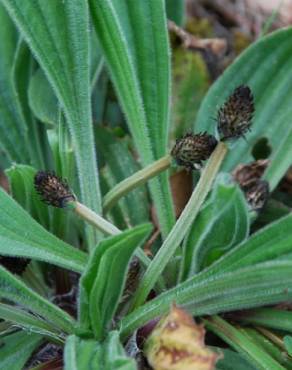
[15, 290]
[22, 236]
[57, 33]
[270, 56]
[118, 26]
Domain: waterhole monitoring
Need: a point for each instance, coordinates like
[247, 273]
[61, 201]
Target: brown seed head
[190, 150]
[256, 190]
[53, 190]
[257, 195]
[247, 174]
[235, 116]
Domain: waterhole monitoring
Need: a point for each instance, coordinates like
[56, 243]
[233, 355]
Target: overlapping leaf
[17, 348]
[222, 223]
[264, 284]
[102, 284]
[13, 289]
[21, 235]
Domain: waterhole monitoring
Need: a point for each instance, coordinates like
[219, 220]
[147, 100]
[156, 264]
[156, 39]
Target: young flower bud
[192, 149]
[53, 190]
[235, 116]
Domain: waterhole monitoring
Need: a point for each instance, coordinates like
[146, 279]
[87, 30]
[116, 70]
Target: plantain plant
[85, 95]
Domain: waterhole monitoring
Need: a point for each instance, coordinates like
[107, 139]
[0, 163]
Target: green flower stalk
[137, 179]
[189, 151]
[56, 192]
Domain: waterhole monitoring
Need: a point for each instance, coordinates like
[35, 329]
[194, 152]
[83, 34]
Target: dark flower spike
[53, 190]
[192, 149]
[257, 195]
[235, 116]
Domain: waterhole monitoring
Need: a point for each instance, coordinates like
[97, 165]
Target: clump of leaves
[76, 289]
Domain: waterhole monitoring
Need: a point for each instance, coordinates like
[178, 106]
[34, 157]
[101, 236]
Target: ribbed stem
[137, 179]
[95, 219]
[182, 225]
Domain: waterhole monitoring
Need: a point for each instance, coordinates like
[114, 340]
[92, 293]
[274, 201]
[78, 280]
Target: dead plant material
[216, 45]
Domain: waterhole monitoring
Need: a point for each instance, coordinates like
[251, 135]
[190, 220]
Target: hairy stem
[181, 227]
[94, 219]
[137, 179]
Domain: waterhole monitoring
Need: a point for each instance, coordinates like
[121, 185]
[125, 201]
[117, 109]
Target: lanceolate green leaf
[102, 284]
[15, 290]
[232, 360]
[13, 131]
[241, 341]
[266, 66]
[133, 36]
[57, 33]
[264, 284]
[81, 354]
[176, 11]
[89, 354]
[21, 235]
[36, 133]
[21, 179]
[221, 224]
[114, 354]
[29, 322]
[17, 348]
[268, 317]
[42, 100]
[272, 242]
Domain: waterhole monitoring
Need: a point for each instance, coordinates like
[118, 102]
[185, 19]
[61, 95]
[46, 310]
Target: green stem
[104, 226]
[240, 341]
[272, 337]
[181, 227]
[95, 219]
[137, 179]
